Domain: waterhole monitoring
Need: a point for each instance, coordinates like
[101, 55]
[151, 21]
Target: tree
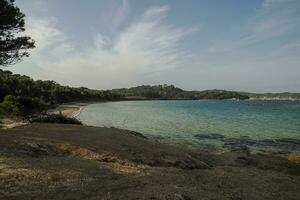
[13, 46]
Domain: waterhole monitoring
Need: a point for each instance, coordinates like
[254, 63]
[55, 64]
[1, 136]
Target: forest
[170, 92]
[21, 95]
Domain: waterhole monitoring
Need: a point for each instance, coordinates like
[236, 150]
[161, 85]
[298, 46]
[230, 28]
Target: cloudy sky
[193, 44]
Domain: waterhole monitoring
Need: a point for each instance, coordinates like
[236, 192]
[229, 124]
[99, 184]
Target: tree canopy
[13, 45]
[172, 92]
[20, 95]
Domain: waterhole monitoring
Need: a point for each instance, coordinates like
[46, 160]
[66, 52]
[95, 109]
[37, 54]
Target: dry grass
[294, 157]
[107, 159]
[55, 161]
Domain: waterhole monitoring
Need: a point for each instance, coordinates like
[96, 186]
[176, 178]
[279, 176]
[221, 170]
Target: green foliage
[9, 105]
[21, 95]
[54, 118]
[13, 46]
[281, 96]
[171, 92]
[220, 94]
[21, 106]
[150, 92]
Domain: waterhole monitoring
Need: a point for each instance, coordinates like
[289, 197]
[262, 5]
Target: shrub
[21, 106]
[54, 118]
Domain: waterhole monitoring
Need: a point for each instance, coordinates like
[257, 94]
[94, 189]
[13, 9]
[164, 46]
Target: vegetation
[13, 46]
[172, 92]
[220, 94]
[54, 118]
[275, 96]
[21, 106]
[150, 92]
[22, 96]
[166, 92]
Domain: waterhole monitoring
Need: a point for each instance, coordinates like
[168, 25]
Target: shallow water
[194, 123]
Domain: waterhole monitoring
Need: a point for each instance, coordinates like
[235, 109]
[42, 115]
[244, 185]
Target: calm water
[205, 123]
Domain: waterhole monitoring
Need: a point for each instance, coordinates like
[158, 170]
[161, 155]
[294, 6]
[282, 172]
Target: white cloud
[102, 42]
[51, 43]
[44, 32]
[120, 13]
[275, 18]
[148, 46]
[219, 48]
[292, 46]
[149, 51]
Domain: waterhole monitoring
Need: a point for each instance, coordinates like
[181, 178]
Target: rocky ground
[51, 161]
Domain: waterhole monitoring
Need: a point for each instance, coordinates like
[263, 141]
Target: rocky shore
[51, 161]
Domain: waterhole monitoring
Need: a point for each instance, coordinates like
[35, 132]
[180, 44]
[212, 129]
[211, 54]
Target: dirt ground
[51, 161]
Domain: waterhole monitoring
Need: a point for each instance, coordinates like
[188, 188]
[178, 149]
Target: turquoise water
[204, 123]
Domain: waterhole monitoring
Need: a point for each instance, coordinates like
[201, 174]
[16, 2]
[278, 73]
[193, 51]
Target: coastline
[59, 161]
[272, 99]
[81, 161]
[72, 109]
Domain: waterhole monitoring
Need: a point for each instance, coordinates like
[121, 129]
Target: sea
[227, 125]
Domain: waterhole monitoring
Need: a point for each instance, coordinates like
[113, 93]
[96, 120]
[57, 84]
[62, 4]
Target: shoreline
[76, 113]
[71, 110]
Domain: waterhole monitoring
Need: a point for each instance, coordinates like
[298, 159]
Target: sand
[69, 109]
[7, 123]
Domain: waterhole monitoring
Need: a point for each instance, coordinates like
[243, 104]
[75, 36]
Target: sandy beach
[69, 110]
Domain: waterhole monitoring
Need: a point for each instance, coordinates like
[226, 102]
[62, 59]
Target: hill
[170, 92]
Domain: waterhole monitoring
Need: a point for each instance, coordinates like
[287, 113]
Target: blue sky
[194, 44]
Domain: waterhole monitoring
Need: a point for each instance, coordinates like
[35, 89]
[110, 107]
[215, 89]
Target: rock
[245, 160]
[178, 197]
[239, 141]
[209, 136]
[289, 141]
[34, 149]
[137, 134]
[191, 163]
[237, 147]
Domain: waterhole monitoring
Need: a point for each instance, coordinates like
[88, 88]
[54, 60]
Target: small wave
[76, 114]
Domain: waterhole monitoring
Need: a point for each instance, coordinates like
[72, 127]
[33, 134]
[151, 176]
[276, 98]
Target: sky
[237, 45]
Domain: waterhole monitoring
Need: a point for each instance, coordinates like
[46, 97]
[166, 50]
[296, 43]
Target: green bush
[21, 106]
[54, 118]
